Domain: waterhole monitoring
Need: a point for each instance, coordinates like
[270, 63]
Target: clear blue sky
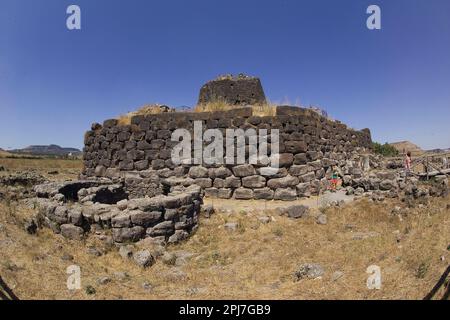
[54, 82]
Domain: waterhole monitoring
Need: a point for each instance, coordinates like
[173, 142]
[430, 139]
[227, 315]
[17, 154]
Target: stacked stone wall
[311, 149]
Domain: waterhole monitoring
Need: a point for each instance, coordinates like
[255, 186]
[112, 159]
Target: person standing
[407, 164]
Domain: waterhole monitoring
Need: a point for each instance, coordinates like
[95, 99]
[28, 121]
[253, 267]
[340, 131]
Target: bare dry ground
[256, 261]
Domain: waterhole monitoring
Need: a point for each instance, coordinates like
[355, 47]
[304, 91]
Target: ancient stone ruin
[311, 148]
[131, 185]
[74, 208]
[240, 90]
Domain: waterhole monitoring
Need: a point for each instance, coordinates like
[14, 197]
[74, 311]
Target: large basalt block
[239, 90]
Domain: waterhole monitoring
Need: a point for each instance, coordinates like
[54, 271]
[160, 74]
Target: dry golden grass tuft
[220, 104]
[149, 109]
[257, 261]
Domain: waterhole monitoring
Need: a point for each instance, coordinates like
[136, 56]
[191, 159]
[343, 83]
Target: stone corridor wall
[311, 148]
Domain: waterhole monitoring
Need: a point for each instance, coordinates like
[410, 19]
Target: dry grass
[66, 168]
[220, 104]
[256, 261]
[149, 109]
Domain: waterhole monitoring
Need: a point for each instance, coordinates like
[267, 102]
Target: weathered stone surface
[285, 182]
[322, 219]
[221, 173]
[309, 271]
[178, 236]
[121, 220]
[299, 170]
[232, 182]
[240, 90]
[263, 194]
[145, 219]
[145, 204]
[231, 226]
[254, 182]
[72, 232]
[243, 194]
[308, 177]
[285, 160]
[285, 194]
[295, 147]
[198, 172]
[128, 234]
[126, 251]
[165, 228]
[224, 193]
[244, 170]
[207, 210]
[203, 182]
[297, 211]
[387, 185]
[300, 158]
[144, 258]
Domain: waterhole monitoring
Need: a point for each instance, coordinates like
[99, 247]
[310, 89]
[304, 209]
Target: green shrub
[384, 149]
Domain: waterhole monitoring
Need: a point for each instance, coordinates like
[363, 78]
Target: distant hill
[405, 146]
[438, 150]
[50, 150]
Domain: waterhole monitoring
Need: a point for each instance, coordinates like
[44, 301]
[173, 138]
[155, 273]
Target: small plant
[278, 232]
[90, 290]
[422, 270]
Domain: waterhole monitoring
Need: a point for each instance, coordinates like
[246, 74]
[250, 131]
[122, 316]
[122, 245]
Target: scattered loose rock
[207, 210]
[309, 271]
[144, 258]
[264, 219]
[231, 226]
[297, 211]
[72, 232]
[103, 280]
[126, 252]
[321, 219]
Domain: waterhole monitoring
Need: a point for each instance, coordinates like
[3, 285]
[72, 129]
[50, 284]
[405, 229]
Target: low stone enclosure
[77, 207]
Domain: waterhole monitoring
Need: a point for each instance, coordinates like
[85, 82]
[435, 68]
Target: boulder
[178, 236]
[126, 251]
[309, 271]
[144, 258]
[321, 219]
[297, 211]
[72, 232]
[235, 90]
